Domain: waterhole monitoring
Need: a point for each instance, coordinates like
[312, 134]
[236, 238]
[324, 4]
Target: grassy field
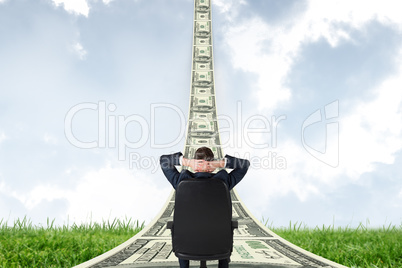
[25, 245]
[353, 247]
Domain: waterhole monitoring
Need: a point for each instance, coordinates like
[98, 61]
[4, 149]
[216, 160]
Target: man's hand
[193, 163]
[199, 165]
[216, 164]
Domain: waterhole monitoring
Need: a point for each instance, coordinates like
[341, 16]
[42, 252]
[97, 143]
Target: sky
[92, 92]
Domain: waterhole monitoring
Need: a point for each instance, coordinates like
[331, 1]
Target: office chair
[202, 226]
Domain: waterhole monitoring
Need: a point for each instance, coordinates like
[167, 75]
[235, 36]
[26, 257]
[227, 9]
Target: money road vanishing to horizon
[254, 244]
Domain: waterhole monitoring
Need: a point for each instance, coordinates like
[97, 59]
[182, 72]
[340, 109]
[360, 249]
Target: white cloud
[79, 7]
[372, 132]
[3, 137]
[369, 134]
[39, 194]
[115, 192]
[107, 193]
[2, 186]
[355, 13]
[50, 138]
[271, 50]
[79, 50]
[229, 8]
[248, 43]
[107, 2]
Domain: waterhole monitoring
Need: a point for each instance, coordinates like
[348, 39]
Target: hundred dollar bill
[202, 40]
[201, 134]
[202, 78]
[202, 115]
[189, 151]
[202, 15]
[202, 126]
[202, 4]
[204, 141]
[201, 52]
[202, 103]
[203, 91]
[202, 65]
[202, 28]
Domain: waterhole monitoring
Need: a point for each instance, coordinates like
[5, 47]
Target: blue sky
[93, 92]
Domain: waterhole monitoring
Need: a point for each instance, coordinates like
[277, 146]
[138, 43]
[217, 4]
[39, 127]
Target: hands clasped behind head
[202, 166]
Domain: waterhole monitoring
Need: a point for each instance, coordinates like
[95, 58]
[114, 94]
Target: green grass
[353, 247]
[24, 245]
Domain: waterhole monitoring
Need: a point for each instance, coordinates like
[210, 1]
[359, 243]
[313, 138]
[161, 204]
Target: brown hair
[204, 153]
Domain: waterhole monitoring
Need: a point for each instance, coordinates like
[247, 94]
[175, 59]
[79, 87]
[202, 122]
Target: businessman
[204, 165]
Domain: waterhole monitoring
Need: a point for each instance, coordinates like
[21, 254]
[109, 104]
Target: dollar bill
[202, 40]
[202, 65]
[212, 141]
[202, 78]
[202, 15]
[202, 28]
[203, 126]
[201, 52]
[202, 103]
[203, 4]
[202, 115]
[203, 91]
[189, 151]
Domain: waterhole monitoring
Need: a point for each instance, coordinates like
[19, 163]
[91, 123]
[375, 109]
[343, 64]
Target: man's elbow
[242, 164]
[164, 161]
[246, 163]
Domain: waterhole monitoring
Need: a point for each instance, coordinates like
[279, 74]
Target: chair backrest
[202, 219]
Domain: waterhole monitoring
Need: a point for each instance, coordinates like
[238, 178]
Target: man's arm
[239, 166]
[168, 163]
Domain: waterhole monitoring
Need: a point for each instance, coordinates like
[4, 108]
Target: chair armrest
[169, 225]
[235, 224]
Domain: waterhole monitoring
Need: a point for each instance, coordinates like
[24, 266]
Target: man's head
[206, 154]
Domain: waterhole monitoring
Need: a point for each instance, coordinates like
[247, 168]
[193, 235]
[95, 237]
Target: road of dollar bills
[254, 244]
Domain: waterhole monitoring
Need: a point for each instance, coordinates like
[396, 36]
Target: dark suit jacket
[239, 166]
